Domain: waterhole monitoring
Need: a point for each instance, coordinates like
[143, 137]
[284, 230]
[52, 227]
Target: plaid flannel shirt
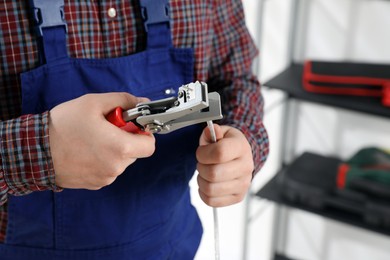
[223, 55]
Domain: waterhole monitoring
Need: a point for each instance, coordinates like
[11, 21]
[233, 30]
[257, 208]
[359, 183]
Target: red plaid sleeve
[25, 161]
[232, 54]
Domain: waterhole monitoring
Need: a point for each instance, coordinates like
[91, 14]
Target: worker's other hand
[225, 167]
[88, 151]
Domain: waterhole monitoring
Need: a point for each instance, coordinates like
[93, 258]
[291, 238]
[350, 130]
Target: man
[73, 185]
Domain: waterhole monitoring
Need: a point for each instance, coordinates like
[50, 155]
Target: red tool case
[348, 78]
[311, 181]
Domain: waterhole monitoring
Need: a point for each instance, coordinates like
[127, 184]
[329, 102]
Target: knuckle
[130, 99]
[105, 181]
[145, 150]
[245, 184]
[206, 187]
[251, 166]
[124, 151]
[149, 149]
[243, 187]
[115, 171]
[94, 187]
[94, 184]
[219, 154]
[239, 197]
[208, 200]
[199, 167]
[212, 174]
[248, 167]
[217, 204]
[198, 154]
[109, 181]
[208, 190]
[97, 180]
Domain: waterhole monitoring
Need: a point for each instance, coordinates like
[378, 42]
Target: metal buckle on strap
[48, 13]
[154, 12]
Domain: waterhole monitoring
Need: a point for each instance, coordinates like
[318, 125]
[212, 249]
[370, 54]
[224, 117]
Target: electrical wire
[215, 211]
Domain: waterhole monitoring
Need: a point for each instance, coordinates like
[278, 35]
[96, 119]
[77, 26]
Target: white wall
[356, 30]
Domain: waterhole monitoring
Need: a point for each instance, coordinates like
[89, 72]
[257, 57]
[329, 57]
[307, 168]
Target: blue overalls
[146, 213]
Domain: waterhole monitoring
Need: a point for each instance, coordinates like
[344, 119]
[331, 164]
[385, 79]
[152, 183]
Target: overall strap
[157, 23]
[51, 28]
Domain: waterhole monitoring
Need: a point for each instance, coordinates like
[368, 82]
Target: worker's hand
[88, 151]
[225, 167]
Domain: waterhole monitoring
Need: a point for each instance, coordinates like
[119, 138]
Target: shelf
[281, 257]
[272, 191]
[290, 81]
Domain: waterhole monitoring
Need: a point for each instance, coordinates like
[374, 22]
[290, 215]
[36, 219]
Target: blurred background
[293, 31]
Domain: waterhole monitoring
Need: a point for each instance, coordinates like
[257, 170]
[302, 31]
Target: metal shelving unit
[290, 82]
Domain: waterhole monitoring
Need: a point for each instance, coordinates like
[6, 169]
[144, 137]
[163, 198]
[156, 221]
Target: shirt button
[111, 12]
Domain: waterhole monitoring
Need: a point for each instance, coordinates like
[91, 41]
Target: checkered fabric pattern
[223, 55]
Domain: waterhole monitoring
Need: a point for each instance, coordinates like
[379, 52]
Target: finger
[109, 101]
[143, 99]
[219, 189]
[126, 144]
[206, 137]
[224, 172]
[134, 145]
[223, 201]
[226, 149]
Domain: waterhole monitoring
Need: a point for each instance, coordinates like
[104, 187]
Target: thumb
[109, 101]
[206, 137]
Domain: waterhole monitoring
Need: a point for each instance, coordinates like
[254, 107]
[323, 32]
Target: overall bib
[146, 213]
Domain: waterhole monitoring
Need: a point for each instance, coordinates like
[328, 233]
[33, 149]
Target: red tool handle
[116, 118]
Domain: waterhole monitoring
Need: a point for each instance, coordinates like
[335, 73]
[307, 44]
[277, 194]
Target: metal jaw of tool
[192, 105]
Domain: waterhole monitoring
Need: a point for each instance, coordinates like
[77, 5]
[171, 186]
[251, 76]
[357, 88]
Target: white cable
[215, 212]
[216, 233]
[212, 131]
